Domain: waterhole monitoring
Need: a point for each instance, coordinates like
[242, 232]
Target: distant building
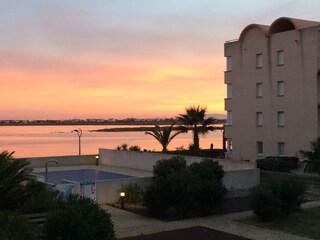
[273, 87]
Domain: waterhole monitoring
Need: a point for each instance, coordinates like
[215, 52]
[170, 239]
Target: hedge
[278, 164]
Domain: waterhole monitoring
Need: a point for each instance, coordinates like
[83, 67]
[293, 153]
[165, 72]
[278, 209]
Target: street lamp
[122, 196]
[97, 160]
[79, 132]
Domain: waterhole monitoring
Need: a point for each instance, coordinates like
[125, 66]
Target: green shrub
[79, 218]
[278, 164]
[264, 203]
[39, 197]
[278, 197]
[181, 191]
[15, 227]
[135, 148]
[133, 193]
[166, 167]
[290, 191]
[210, 192]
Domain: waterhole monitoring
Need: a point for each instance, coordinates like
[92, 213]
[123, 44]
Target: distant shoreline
[136, 129]
[105, 123]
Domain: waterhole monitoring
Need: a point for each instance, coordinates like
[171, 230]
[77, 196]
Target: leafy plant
[195, 120]
[79, 218]
[133, 193]
[264, 203]
[135, 148]
[278, 164]
[123, 146]
[181, 191]
[277, 197]
[16, 227]
[312, 158]
[39, 197]
[163, 136]
[13, 174]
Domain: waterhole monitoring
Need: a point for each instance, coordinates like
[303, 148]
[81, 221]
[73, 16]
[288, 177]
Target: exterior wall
[299, 103]
[39, 162]
[145, 161]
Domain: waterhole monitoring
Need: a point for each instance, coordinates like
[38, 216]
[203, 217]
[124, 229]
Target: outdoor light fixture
[122, 196]
[97, 160]
[79, 132]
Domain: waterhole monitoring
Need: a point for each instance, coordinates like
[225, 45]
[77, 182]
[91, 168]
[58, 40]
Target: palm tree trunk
[196, 141]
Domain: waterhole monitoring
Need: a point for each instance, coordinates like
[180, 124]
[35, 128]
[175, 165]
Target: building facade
[273, 87]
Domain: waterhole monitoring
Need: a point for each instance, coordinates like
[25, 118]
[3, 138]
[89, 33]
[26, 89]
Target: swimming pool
[82, 175]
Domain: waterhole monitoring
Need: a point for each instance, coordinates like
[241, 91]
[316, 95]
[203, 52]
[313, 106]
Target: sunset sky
[122, 58]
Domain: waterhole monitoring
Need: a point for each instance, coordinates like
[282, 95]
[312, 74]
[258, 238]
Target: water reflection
[37, 141]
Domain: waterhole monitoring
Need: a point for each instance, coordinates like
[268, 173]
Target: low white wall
[241, 179]
[72, 160]
[146, 160]
[109, 191]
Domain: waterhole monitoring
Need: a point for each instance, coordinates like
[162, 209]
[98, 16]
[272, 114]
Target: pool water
[83, 175]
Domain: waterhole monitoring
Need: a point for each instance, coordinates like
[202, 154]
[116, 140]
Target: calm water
[37, 141]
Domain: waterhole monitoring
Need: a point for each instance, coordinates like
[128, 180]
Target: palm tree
[194, 120]
[312, 158]
[163, 135]
[13, 174]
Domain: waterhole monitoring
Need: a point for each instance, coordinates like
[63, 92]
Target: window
[229, 90]
[259, 63]
[259, 119]
[281, 120]
[259, 90]
[280, 57]
[281, 150]
[229, 145]
[280, 86]
[260, 149]
[229, 63]
[229, 118]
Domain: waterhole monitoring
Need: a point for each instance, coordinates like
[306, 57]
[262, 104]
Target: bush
[39, 197]
[79, 218]
[210, 192]
[135, 148]
[290, 191]
[278, 197]
[181, 191]
[133, 193]
[264, 203]
[15, 227]
[278, 164]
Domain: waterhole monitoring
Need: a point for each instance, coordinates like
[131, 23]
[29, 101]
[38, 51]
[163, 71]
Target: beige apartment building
[273, 86]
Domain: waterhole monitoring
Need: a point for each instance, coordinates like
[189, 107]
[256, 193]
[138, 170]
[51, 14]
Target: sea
[59, 140]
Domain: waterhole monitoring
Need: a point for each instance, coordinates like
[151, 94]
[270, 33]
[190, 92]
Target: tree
[312, 158]
[13, 174]
[163, 136]
[194, 120]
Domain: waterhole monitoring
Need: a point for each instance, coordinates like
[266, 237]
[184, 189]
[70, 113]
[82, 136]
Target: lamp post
[122, 196]
[79, 132]
[97, 160]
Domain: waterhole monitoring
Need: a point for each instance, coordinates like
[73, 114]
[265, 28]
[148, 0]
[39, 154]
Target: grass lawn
[305, 223]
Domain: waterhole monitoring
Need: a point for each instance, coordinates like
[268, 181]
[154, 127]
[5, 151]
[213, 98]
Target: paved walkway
[129, 224]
